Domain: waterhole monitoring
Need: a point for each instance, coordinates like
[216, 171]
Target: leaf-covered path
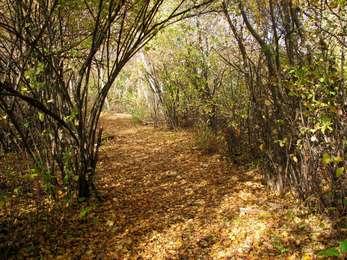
[163, 199]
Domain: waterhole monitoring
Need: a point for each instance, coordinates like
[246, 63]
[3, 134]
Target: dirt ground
[164, 199]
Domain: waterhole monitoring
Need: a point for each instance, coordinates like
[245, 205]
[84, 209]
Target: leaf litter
[163, 199]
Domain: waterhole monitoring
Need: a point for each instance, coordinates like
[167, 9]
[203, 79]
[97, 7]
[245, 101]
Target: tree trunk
[83, 187]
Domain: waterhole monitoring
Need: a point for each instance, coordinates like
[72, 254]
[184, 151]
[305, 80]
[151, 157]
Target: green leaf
[329, 252]
[340, 171]
[31, 176]
[325, 124]
[326, 159]
[24, 90]
[84, 212]
[337, 159]
[41, 116]
[343, 246]
[66, 179]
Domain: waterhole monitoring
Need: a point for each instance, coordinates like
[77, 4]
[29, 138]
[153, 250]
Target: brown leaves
[162, 199]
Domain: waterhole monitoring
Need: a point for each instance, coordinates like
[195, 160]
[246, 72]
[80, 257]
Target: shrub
[207, 140]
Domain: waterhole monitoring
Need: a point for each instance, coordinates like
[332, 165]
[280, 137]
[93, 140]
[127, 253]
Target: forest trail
[164, 199]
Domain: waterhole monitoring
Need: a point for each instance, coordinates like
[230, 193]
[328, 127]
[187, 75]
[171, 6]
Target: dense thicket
[295, 78]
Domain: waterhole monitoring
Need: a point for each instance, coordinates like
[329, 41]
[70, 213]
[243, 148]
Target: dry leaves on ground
[163, 199]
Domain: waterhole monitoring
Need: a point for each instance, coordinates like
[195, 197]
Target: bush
[139, 113]
[208, 140]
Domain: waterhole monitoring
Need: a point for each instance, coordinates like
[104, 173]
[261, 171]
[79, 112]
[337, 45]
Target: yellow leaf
[340, 171]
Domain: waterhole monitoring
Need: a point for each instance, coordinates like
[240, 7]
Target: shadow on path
[163, 199]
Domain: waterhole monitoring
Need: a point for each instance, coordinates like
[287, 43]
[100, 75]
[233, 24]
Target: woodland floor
[163, 199]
